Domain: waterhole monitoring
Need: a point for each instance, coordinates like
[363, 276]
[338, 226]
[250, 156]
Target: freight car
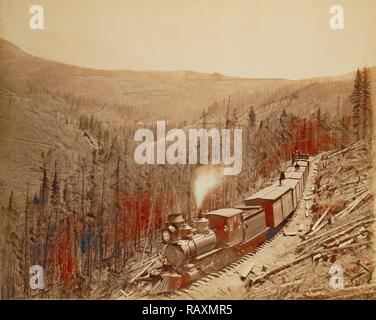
[218, 238]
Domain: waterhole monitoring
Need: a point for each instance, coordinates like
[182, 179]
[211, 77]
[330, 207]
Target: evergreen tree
[366, 103]
[251, 118]
[91, 123]
[356, 100]
[44, 192]
[66, 193]
[10, 204]
[203, 117]
[55, 188]
[319, 116]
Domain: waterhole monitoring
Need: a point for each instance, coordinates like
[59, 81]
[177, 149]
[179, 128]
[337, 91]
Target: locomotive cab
[228, 224]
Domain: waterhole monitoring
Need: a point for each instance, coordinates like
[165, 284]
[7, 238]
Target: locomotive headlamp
[166, 234]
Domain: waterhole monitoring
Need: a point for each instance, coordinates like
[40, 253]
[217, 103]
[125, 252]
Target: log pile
[323, 254]
[330, 236]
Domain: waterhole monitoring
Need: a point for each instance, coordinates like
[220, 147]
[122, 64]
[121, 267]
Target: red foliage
[139, 209]
[307, 138]
[65, 256]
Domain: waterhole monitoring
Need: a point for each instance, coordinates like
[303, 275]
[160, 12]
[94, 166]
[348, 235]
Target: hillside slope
[166, 92]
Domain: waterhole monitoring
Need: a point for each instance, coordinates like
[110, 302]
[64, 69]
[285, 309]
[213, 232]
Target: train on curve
[218, 238]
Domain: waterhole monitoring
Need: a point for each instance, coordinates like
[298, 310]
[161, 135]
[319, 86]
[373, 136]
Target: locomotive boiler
[191, 243]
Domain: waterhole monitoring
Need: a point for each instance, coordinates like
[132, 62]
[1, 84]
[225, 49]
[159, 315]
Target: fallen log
[320, 219]
[289, 234]
[337, 242]
[353, 204]
[335, 229]
[135, 262]
[246, 270]
[318, 229]
[343, 244]
[359, 191]
[335, 236]
[351, 292]
[346, 149]
[143, 271]
[144, 278]
[292, 283]
[302, 258]
[354, 180]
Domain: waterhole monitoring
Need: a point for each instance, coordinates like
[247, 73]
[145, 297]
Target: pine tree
[55, 188]
[91, 123]
[227, 123]
[44, 192]
[11, 259]
[366, 103]
[203, 117]
[346, 139]
[251, 118]
[10, 203]
[356, 100]
[66, 193]
[319, 116]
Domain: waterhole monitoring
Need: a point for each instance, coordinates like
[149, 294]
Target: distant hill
[166, 92]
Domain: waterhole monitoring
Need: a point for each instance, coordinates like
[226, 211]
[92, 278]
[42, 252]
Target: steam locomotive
[218, 238]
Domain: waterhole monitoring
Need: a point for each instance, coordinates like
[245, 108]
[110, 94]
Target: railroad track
[232, 268]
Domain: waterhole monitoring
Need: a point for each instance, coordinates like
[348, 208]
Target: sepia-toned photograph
[163, 150]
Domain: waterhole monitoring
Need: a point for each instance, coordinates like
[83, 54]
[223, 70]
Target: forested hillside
[72, 198]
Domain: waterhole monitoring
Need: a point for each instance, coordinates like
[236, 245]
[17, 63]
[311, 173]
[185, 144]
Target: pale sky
[248, 38]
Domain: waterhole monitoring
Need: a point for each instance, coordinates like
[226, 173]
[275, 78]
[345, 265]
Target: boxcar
[278, 203]
[304, 165]
[297, 175]
[296, 192]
